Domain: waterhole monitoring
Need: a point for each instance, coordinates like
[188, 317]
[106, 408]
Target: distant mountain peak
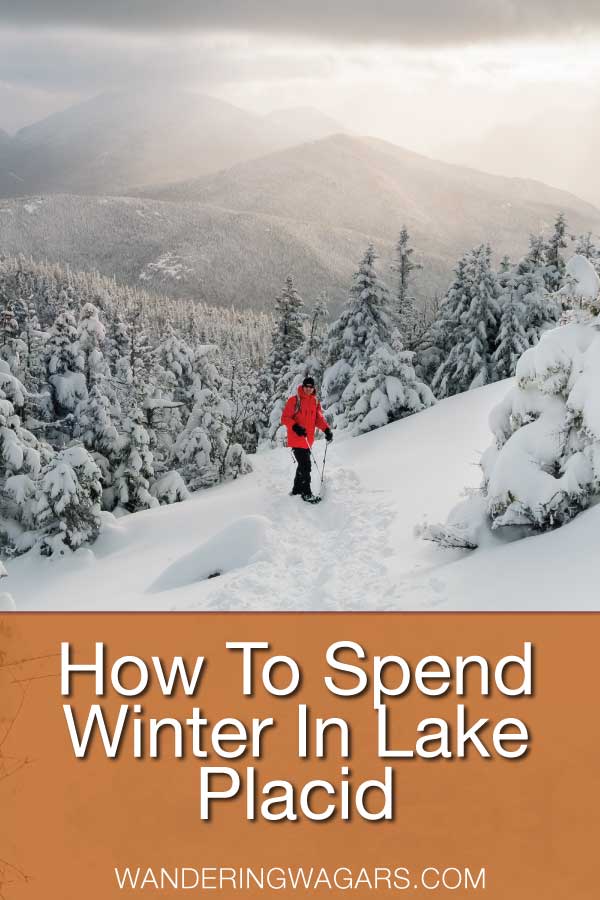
[117, 140]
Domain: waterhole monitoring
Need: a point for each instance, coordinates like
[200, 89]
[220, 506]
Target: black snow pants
[302, 479]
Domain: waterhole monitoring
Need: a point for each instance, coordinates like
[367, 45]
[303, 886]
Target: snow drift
[236, 546]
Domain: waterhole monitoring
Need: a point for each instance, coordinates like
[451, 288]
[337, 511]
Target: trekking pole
[312, 454]
[320, 470]
[323, 469]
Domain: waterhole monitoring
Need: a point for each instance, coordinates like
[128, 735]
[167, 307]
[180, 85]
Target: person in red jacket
[301, 415]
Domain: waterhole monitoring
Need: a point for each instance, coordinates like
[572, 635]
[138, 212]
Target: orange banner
[147, 811]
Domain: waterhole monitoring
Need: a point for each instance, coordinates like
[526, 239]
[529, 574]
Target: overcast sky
[453, 78]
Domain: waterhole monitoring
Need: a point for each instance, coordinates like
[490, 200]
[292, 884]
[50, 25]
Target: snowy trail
[355, 551]
[333, 553]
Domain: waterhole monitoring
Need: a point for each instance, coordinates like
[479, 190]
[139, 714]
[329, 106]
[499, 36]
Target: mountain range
[113, 193]
[119, 140]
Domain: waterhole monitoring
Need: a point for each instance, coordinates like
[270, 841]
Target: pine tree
[95, 428]
[543, 466]
[64, 365]
[239, 389]
[176, 360]
[201, 446]
[91, 337]
[140, 384]
[537, 251]
[307, 359]
[555, 264]
[33, 340]
[540, 310]
[288, 335]
[370, 379]
[470, 320]
[385, 390]
[135, 470]
[12, 348]
[68, 507]
[21, 459]
[432, 347]
[118, 346]
[365, 322]
[404, 266]
[289, 328]
[512, 338]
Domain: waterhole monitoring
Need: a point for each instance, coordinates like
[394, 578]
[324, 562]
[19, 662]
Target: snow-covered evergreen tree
[140, 383]
[384, 390]
[117, 348]
[541, 309]
[135, 470]
[32, 337]
[307, 359]
[238, 387]
[288, 335]
[469, 319]
[91, 337]
[11, 346]
[555, 264]
[544, 465]
[370, 380]
[68, 505]
[512, 337]
[289, 328]
[21, 459]
[176, 360]
[432, 347]
[64, 364]
[526, 312]
[206, 450]
[404, 265]
[536, 254]
[98, 432]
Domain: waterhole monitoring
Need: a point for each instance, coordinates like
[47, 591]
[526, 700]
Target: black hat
[308, 382]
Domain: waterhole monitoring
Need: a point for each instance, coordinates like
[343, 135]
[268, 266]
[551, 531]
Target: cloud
[86, 61]
[417, 22]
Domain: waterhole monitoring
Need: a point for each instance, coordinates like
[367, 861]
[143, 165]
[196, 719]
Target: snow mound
[238, 545]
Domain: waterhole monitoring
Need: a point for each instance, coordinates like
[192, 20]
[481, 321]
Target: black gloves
[299, 430]
[328, 435]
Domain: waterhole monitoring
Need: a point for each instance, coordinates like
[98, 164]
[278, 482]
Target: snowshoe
[310, 498]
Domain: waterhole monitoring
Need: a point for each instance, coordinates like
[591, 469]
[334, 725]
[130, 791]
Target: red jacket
[305, 410]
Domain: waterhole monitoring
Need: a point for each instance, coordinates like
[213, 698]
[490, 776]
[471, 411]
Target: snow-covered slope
[357, 550]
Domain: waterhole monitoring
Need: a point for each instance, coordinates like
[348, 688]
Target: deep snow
[356, 550]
